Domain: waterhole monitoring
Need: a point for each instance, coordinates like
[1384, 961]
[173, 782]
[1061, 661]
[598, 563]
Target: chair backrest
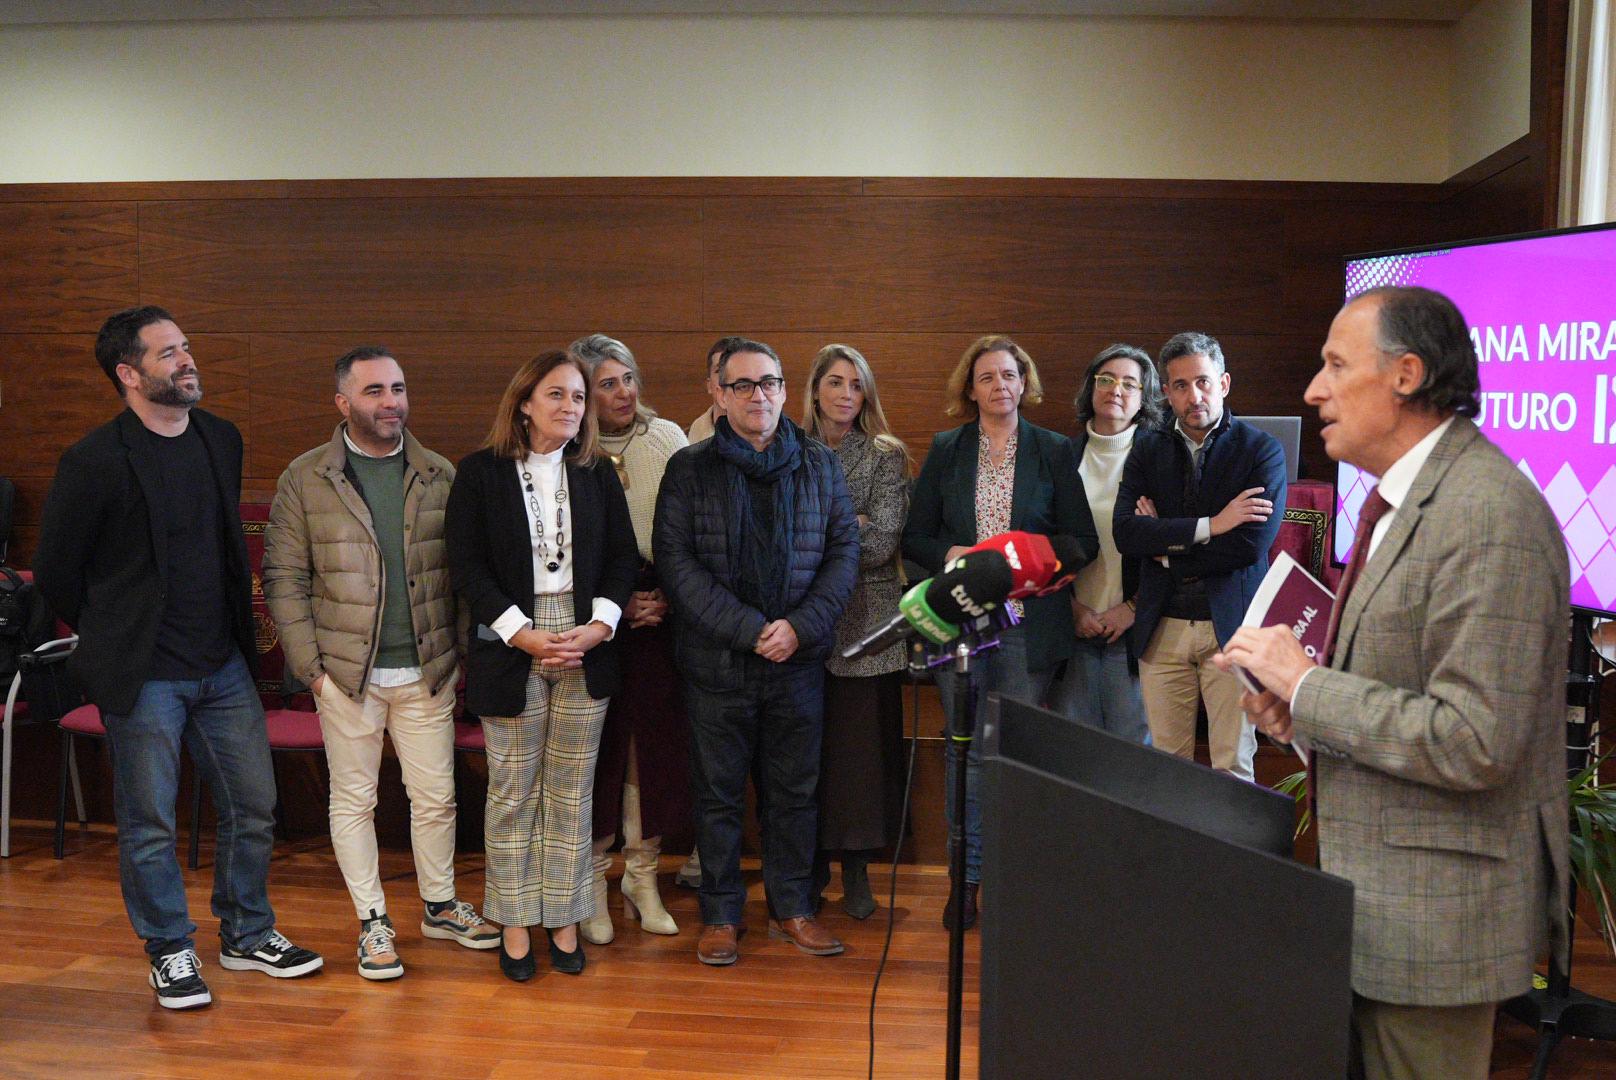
[273, 685]
[25, 622]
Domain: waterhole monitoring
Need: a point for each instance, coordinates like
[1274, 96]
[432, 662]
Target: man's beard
[369, 428]
[168, 391]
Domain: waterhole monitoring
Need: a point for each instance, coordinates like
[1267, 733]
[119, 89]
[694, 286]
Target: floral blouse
[995, 488]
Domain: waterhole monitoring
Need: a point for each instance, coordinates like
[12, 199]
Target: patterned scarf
[765, 571]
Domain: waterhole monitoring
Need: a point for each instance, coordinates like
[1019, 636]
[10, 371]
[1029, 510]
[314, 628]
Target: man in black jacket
[1197, 500]
[141, 552]
[757, 549]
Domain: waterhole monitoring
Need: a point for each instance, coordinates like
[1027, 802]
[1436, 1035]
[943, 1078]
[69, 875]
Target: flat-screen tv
[1542, 312]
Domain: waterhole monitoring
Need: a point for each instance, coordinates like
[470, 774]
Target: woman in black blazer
[993, 474]
[541, 550]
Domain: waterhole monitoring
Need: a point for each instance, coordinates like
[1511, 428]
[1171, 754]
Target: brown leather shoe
[806, 934]
[718, 945]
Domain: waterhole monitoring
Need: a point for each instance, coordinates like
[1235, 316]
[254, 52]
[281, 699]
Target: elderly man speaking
[1435, 724]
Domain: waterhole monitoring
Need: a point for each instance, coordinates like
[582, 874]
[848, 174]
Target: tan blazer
[1440, 740]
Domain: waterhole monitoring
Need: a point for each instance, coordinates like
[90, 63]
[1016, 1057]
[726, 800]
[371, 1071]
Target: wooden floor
[74, 1003]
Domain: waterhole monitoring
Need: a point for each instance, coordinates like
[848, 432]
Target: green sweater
[381, 482]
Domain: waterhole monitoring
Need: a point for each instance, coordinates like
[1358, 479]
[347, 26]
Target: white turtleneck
[1099, 584]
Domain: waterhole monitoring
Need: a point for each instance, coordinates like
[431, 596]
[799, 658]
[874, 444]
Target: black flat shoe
[568, 963]
[518, 969]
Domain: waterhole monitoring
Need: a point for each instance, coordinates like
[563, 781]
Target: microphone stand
[979, 639]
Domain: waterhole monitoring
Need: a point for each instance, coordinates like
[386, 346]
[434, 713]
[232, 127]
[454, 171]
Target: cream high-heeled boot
[639, 884]
[598, 929]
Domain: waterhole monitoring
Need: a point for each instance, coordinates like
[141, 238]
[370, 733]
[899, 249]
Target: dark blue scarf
[764, 574]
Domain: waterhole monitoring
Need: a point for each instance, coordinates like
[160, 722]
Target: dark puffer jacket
[698, 572]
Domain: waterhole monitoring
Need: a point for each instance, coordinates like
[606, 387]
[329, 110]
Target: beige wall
[1490, 80]
[870, 96]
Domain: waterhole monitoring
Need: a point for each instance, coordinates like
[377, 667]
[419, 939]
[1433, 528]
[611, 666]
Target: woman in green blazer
[994, 474]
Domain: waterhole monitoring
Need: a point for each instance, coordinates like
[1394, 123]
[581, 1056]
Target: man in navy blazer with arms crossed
[1198, 501]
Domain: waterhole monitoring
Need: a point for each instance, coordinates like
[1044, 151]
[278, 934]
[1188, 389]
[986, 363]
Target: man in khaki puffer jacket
[356, 577]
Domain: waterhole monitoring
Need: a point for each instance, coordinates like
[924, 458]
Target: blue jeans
[220, 722]
[770, 727]
[1098, 690]
[1001, 671]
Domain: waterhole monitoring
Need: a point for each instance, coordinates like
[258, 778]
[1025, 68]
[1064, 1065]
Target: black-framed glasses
[1107, 382]
[746, 388]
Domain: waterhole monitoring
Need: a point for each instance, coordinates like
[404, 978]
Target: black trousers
[773, 720]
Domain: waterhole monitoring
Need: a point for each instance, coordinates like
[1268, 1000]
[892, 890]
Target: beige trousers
[1175, 674]
[1423, 1042]
[422, 728]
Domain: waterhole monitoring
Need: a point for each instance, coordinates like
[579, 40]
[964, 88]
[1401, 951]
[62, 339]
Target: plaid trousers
[541, 774]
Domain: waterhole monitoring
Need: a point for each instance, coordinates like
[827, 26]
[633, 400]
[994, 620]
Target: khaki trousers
[1175, 674]
[1422, 1042]
[422, 727]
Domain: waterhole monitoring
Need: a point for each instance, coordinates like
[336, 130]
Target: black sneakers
[177, 983]
[274, 956]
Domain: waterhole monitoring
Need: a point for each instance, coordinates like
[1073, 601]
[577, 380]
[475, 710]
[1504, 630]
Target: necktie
[1374, 508]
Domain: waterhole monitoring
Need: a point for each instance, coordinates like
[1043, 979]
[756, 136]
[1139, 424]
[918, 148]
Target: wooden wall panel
[54, 392]
[464, 279]
[1319, 234]
[395, 264]
[65, 266]
[973, 264]
[1506, 201]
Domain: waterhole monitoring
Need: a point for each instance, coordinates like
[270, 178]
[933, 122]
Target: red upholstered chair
[85, 720]
[38, 693]
[36, 668]
[1304, 531]
[469, 738]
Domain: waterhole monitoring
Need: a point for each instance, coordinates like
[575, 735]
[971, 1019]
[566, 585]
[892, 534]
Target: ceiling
[40, 12]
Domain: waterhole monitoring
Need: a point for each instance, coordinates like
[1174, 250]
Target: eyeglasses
[1106, 382]
[746, 388]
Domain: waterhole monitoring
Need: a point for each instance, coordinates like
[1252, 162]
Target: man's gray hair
[740, 345]
[1429, 325]
[1191, 343]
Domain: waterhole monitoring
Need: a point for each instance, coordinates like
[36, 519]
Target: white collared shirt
[1400, 477]
[1394, 489]
[549, 476]
[354, 447]
[384, 676]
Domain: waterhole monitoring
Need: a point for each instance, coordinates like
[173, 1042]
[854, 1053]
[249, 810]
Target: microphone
[971, 586]
[1041, 564]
